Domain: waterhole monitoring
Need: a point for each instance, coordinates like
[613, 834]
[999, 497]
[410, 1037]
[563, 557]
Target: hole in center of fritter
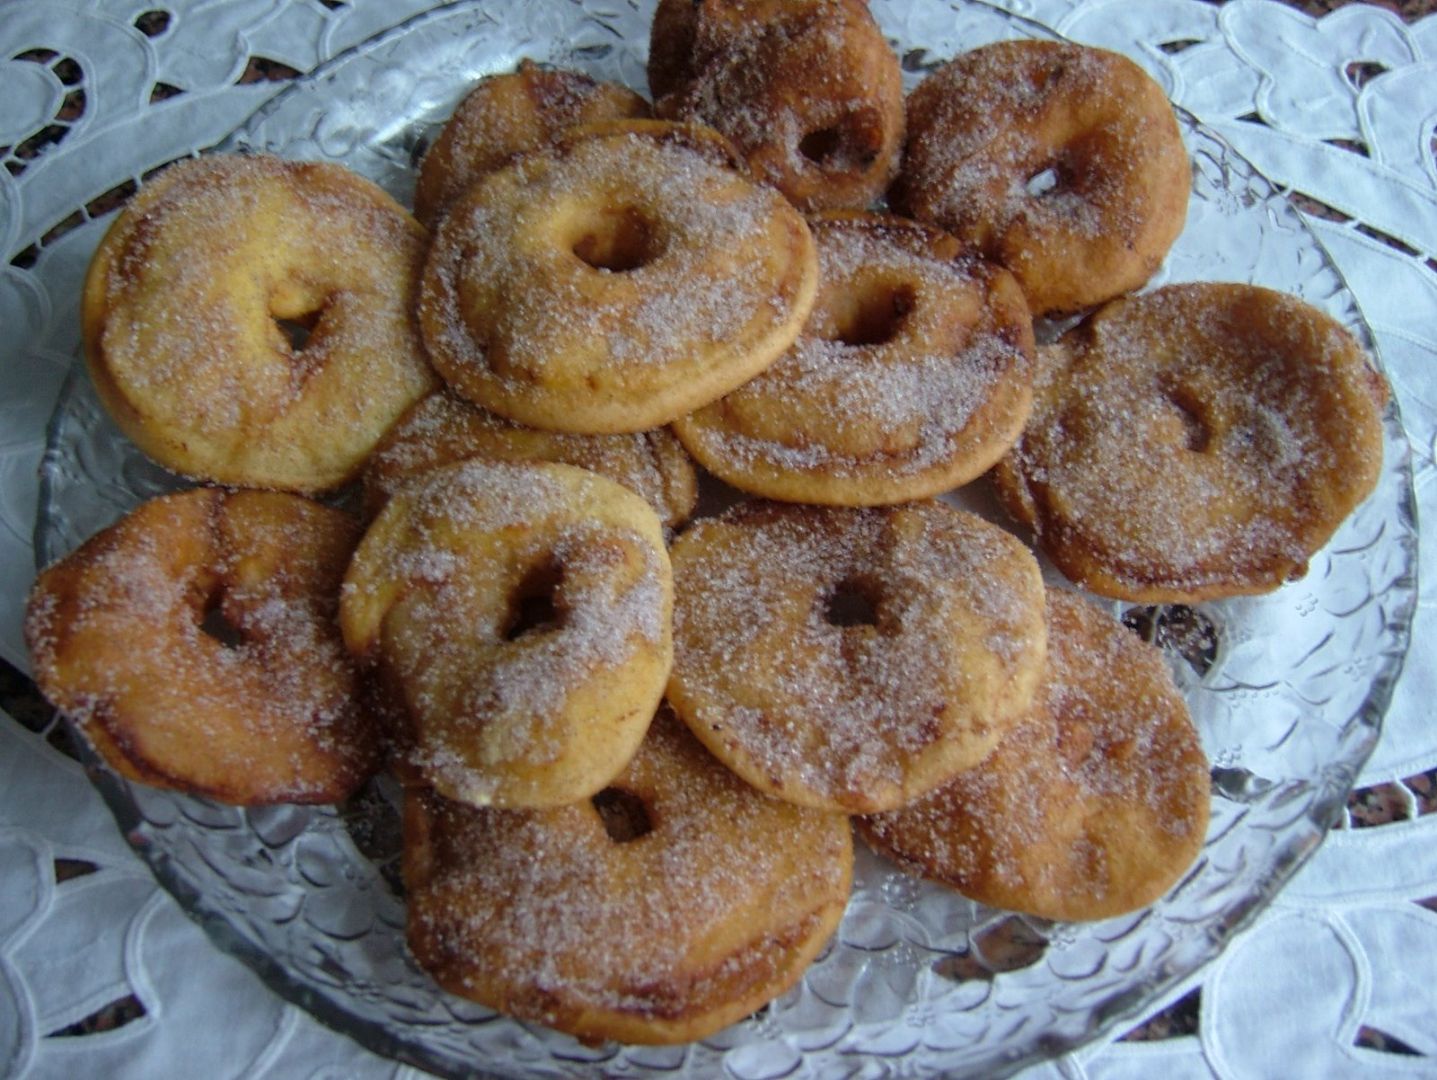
[873, 316]
[297, 330]
[215, 624]
[1040, 183]
[617, 240]
[623, 813]
[1196, 435]
[851, 604]
[534, 607]
[854, 141]
[821, 146]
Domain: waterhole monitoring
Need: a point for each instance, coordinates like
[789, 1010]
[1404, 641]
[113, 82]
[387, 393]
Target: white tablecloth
[1342, 110]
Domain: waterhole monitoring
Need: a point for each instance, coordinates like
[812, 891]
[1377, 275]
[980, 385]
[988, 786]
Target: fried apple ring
[518, 617]
[1062, 162]
[193, 643]
[443, 429]
[247, 320]
[808, 90]
[927, 358]
[505, 115]
[661, 925]
[1093, 805]
[853, 659]
[614, 281]
[1197, 442]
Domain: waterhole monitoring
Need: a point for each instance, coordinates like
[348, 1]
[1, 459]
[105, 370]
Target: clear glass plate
[1288, 690]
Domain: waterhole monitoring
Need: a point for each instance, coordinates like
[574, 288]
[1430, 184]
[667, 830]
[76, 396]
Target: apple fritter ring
[248, 320]
[615, 280]
[853, 659]
[442, 429]
[518, 619]
[808, 90]
[193, 642]
[926, 356]
[1093, 805]
[1062, 162]
[505, 115]
[1197, 442]
[674, 903]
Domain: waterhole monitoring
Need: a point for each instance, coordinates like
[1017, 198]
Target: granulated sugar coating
[443, 429]
[1061, 162]
[505, 115]
[808, 90]
[853, 659]
[1094, 804]
[196, 299]
[715, 907]
[614, 281]
[194, 644]
[1196, 442]
[520, 617]
[927, 357]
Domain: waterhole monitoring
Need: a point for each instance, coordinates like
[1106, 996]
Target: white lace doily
[93, 95]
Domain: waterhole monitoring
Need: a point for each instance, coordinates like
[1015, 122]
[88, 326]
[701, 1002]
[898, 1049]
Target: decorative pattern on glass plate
[1288, 690]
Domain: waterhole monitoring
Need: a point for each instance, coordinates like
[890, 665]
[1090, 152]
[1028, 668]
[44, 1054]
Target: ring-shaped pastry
[194, 644]
[518, 618]
[1063, 163]
[508, 114]
[1093, 805]
[808, 90]
[443, 429]
[1196, 442]
[674, 903]
[614, 281]
[249, 321]
[926, 356]
[853, 659]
